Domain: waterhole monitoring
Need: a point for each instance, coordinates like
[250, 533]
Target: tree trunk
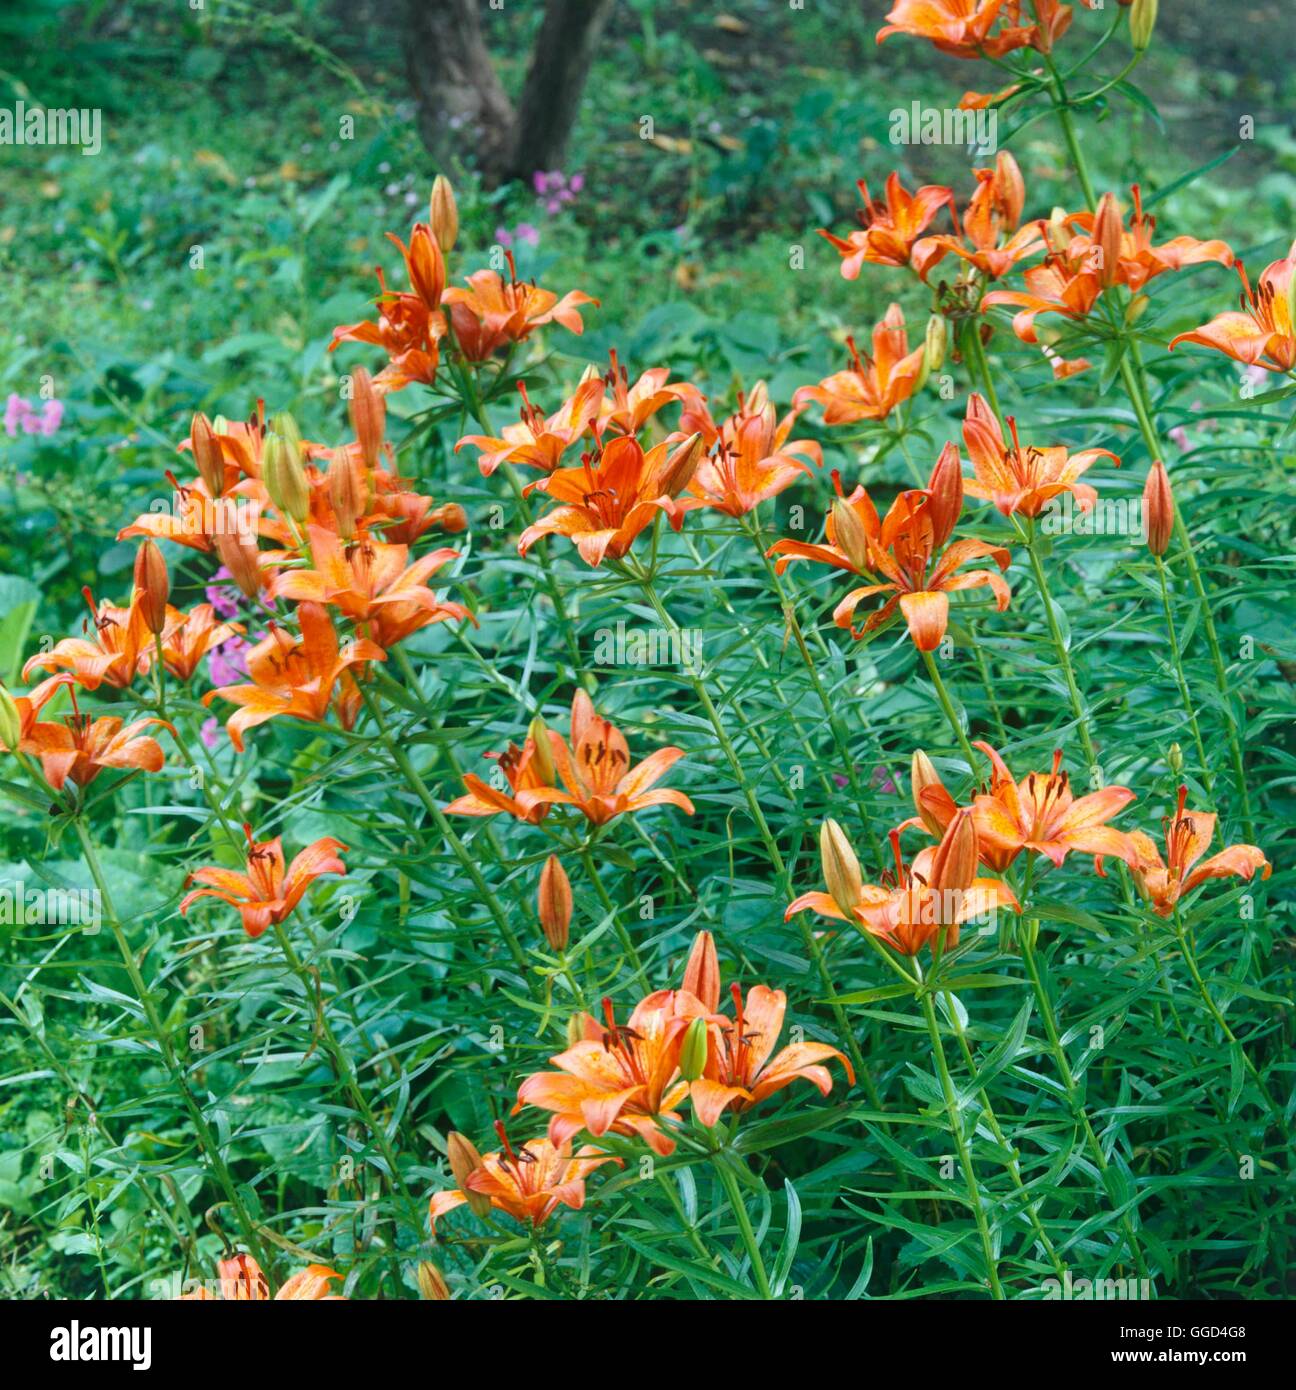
[463, 111]
[555, 80]
[465, 115]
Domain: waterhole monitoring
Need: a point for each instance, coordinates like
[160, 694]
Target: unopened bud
[955, 864]
[152, 585]
[1106, 238]
[538, 733]
[368, 411]
[849, 535]
[464, 1162]
[575, 1029]
[241, 557]
[1136, 308]
[453, 518]
[702, 973]
[946, 488]
[923, 774]
[555, 903]
[285, 477]
[1174, 759]
[1158, 508]
[681, 464]
[432, 1283]
[936, 342]
[347, 494]
[10, 721]
[841, 868]
[693, 1052]
[208, 458]
[443, 213]
[1143, 18]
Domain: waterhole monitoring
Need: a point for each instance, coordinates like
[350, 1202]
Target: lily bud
[693, 1052]
[1136, 308]
[923, 774]
[1010, 189]
[946, 488]
[841, 868]
[1106, 238]
[702, 973]
[849, 535]
[1060, 235]
[538, 732]
[347, 494]
[239, 554]
[1174, 759]
[955, 864]
[207, 454]
[284, 476]
[453, 518]
[1143, 18]
[443, 213]
[555, 903]
[153, 585]
[1158, 508]
[368, 410]
[10, 721]
[432, 1283]
[575, 1029]
[936, 342]
[680, 466]
[464, 1162]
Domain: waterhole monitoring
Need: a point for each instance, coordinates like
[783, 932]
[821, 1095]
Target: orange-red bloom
[605, 503]
[524, 769]
[939, 891]
[241, 1280]
[959, 27]
[991, 238]
[742, 1068]
[188, 638]
[492, 311]
[297, 677]
[619, 1079]
[873, 386]
[535, 441]
[266, 893]
[1163, 882]
[117, 652]
[887, 235]
[1019, 478]
[1262, 333]
[596, 774]
[80, 746]
[529, 1182]
[1039, 813]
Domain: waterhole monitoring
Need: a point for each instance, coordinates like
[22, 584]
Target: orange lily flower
[535, 441]
[266, 894]
[492, 311]
[742, 1069]
[628, 408]
[81, 746]
[197, 516]
[913, 903]
[990, 238]
[1065, 283]
[1163, 882]
[188, 637]
[1262, 334]
[606, 502]
[1018, 479]
[529, 1183]
[365, 578]
[297, 677]
[620, 1079]
[407, 330]
[525, 769]
[596, 773]
[870, 392]
[958, 27]
[119, 650]
[242, 1281]
[1138, 261]
[1040, 814]
[753, 458]
[887, 236]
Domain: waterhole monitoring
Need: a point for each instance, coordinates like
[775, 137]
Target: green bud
[1143, 17]
[10, 721]
[693, 1055]
[1174, 757]
[284, 476]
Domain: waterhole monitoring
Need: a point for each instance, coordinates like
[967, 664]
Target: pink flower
[20, 413]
